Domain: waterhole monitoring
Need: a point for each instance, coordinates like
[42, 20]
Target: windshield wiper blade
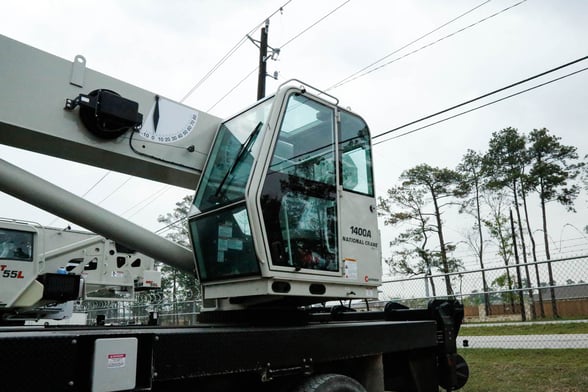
[244, 148]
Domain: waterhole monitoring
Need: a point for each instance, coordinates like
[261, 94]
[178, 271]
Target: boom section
[286, 207]
[120, 127]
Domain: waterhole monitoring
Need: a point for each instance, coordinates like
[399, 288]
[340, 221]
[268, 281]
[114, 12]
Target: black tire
[463, 372]
[328, 383]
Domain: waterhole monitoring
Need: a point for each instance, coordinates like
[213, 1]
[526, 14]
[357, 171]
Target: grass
[536, 329]
[553, 370]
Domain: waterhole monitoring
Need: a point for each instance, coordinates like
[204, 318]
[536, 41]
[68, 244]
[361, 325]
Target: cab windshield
[221, 234]
[231, 159]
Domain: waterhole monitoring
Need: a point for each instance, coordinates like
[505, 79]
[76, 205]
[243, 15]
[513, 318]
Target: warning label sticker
[116, 361]
[350, 269]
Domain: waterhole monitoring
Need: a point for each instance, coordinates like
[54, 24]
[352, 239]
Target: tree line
[494, 188]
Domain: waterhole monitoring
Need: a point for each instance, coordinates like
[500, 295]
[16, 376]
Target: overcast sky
[167, 47]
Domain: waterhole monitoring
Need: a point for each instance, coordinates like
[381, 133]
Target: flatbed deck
[61, 358]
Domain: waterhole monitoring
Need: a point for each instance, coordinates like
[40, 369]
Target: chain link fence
[148, 307]
[542, 304]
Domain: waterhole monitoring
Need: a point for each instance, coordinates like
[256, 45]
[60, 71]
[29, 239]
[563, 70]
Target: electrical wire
[343, 81]
[482, 106]
[156, 157]
[229, 54]
[484, 96]
[233, 88]
[286, 43]
[349, 79]
[96, 183]
[152, 197]
[116, 189]
[169, 226]
[55, 219]
[315, 23]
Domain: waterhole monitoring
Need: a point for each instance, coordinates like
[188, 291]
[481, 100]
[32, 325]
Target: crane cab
[18, 270]
[285, 207]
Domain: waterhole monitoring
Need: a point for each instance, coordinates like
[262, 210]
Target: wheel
[328, 383]
[463, 372]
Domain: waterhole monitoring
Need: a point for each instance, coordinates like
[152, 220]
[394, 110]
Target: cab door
[358, 226]
[299, 197]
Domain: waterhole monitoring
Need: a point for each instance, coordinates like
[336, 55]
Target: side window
[16, 245]
[226, 247]
[356, 155]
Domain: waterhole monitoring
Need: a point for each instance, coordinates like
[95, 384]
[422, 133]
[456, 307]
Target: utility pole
[263, 57]
[262, 61]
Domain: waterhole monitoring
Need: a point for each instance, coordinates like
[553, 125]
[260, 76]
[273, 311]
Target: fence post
[482, 312]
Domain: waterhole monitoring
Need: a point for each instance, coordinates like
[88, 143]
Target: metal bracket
[269, 374]
[78, 71]
[71, 104]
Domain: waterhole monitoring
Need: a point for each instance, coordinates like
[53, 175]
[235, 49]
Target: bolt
[71, 383]
[74, 341]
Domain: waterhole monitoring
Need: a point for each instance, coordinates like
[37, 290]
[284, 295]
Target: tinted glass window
[356, 155]
[16, 245]
[225, 246]
[231, 159]
[299, 193]
[221, 238]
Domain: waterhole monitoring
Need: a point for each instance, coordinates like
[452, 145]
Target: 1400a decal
[361, 232]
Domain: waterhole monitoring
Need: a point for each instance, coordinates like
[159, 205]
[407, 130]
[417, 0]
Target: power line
[168, 226]
[343, 81]
[487, 104]
[214, 68]
[152, 197]
[349, 79]
[96, 183]
[286, 43]
[230, 53]
[114, 191]
[85, 194]
[233, 88]
[485, 96]
[315, 23]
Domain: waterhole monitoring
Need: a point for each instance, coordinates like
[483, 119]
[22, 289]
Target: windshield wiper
[244, 149]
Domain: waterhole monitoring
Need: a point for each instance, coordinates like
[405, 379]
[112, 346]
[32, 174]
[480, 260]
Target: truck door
[360, 240]
[299, 194]
[317, 200]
